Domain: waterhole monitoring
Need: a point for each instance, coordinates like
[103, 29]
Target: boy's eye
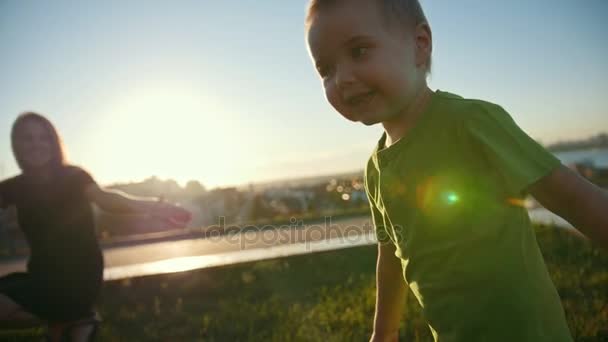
[358, 52]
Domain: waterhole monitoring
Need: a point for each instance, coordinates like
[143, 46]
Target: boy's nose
[344, 77]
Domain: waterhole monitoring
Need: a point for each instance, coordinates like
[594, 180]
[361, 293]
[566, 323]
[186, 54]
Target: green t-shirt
[449, 195]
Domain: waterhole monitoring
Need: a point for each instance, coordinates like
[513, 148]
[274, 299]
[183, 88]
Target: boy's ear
[424, 44]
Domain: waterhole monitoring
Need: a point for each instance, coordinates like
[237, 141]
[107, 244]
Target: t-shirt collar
[382, 155]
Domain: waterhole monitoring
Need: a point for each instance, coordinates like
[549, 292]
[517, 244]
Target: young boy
[446, 183]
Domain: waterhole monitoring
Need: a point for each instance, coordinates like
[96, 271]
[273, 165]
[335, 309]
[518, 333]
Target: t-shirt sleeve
[377, 219]
[7, 193]
[519, 159]
[82, 178]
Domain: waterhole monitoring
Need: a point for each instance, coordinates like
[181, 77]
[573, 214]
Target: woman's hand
[117, 202]
[172, 215]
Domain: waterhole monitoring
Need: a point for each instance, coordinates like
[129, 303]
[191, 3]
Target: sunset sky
[224, 91]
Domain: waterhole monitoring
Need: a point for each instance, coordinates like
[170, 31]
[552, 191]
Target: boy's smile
[369, 67]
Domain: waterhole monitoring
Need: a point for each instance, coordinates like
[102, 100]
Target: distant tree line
[597, 141]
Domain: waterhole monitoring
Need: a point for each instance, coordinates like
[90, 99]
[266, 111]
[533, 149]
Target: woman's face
[33, 143]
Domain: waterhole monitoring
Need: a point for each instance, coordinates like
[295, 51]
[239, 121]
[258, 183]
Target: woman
[65, 268]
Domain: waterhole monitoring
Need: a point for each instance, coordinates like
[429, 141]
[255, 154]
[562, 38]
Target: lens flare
[518, 202]
[451, 197]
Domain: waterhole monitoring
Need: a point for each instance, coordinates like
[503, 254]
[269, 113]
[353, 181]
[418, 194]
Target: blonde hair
[406, 12]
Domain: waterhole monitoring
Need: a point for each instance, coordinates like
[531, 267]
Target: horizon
[274, 181]
[225, 93]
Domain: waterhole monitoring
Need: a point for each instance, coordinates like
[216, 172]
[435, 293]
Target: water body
[597, 156]
[185, 255]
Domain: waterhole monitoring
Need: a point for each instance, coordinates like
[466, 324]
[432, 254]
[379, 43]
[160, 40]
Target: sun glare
[169, 132]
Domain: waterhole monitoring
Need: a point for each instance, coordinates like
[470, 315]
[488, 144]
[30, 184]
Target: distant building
[225, 202]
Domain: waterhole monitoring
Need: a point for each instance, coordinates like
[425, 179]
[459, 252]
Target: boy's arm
[577, 200]
[390, 294]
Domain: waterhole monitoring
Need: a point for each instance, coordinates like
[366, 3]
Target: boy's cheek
[344, 111]
[332, 98]
[349, 117]
[337, 105]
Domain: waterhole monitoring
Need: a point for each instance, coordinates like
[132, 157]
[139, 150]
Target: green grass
[318, 297]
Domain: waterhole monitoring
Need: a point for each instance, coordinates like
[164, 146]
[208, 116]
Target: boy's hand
[173, 215]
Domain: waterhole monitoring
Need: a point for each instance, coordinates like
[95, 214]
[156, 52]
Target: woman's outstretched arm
[118, 202]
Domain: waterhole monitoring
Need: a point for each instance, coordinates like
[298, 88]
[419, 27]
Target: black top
[57, 221]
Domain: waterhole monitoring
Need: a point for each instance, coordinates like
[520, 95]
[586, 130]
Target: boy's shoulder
[454, 113]
[463, 115]
[461, 108]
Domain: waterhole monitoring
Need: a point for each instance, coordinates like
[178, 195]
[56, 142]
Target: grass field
[317, 297]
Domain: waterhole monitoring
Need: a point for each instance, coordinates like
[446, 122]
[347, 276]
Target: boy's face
[370, 69]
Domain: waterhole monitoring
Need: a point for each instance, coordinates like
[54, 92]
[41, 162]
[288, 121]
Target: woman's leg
[77, 331]
[11, 285]
[82, 333]
[11, 311]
